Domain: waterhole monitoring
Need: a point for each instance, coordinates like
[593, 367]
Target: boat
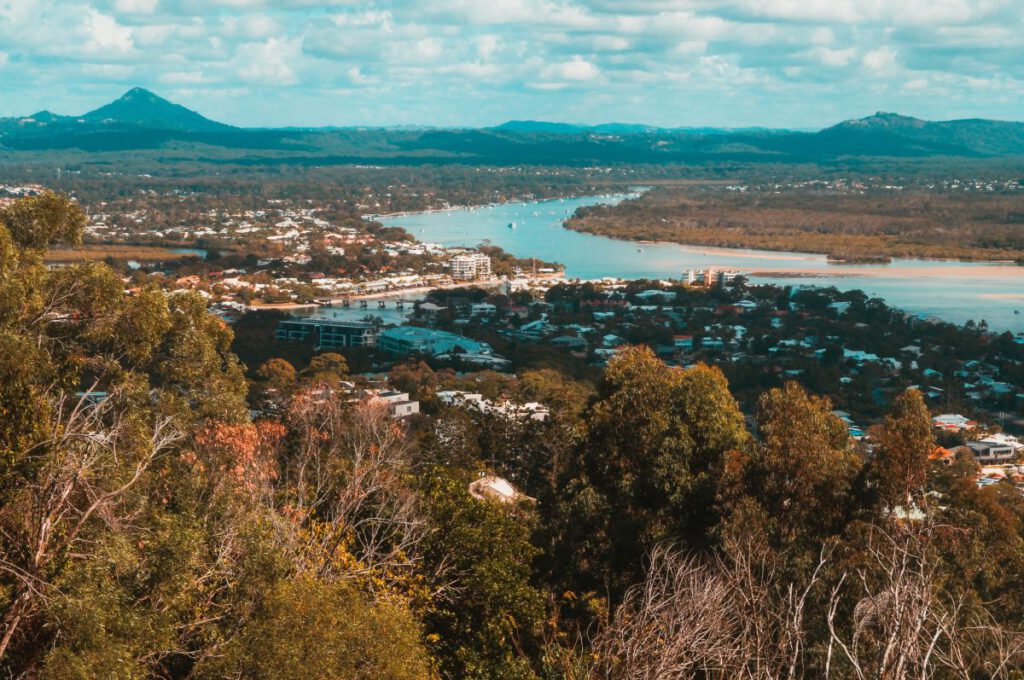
[639, 250]
[511, 225]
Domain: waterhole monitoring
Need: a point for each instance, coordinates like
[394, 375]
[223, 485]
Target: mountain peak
[883, 120]
[139, 106]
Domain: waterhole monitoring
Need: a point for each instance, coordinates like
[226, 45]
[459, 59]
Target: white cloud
[576, 70]
[880, 59]
[267, 63]
[106, 35]
[830, 57]
[136, 6]
[487, 45]
[633, 59]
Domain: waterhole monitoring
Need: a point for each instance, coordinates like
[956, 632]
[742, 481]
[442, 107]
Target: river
[952, 291]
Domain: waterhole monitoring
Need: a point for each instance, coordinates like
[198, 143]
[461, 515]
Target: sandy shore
[965, 271]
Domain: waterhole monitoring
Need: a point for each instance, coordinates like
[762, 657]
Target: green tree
[329, 368]
[796, 483]
[487, 626]
[905, 441]
[648, 468]
[277, 373]
[306, 629]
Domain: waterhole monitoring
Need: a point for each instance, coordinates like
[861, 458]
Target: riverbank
[948, 289]
[968, 227]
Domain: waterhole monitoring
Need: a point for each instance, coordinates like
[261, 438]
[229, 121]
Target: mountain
[544, 127]
[966, 137]
[144, 109]
[141, 120]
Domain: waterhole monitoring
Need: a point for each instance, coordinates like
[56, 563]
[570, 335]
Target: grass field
[101, 252]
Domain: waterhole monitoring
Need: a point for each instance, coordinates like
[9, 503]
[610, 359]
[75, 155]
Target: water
[390, 315]
[952, 291]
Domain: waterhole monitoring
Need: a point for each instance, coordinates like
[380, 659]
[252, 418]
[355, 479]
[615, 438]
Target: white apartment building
[470, 267]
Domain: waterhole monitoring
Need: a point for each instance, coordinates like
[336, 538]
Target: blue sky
[779, 63]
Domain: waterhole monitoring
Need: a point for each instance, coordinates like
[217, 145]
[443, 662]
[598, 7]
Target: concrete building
[413, 339]
[398, 403]
[987, 454]
[710, 277]
[328, 333]
[470, 267]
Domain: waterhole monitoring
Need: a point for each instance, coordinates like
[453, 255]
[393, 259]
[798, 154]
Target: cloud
[106, 35]
[795, 63]
[267, 63]
[576, 70]
[881, 59]
[136, 6]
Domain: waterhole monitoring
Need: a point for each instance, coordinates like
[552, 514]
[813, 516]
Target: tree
[329, 368]
[796, 482]
[485, 620]
[278, 373]
[321, 631]
[905, 441]
[648, 468]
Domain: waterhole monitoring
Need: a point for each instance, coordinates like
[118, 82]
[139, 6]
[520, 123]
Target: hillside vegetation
[150, 528]
[968, 226]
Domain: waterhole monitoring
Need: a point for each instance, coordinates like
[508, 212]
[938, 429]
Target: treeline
[874, 224]
[150, 528]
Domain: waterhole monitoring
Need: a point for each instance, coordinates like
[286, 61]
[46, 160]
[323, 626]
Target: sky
[727, 63]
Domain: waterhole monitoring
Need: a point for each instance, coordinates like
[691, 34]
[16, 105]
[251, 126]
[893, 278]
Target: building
[416, 340]
[398, 403]
[953, 422]
[683, 342]
[530, 410]
[987, 454]
[470, 267]
[710, 277]
[328, 333]
[483, 309]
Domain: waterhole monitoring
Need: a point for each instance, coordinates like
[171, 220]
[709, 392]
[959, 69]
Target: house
[988, 453]
[1002, 439]
[953, 422]
[683, 342]
[942, 456]
[483, 309]
[429, 309]
[526, 411]
[612, 340]
[712, 343]
[538, 328]
[398, 403]
[656, 296]
[840, 307]
[570, 342]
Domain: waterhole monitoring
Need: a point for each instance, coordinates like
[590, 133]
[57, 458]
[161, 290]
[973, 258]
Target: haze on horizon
[732, 63]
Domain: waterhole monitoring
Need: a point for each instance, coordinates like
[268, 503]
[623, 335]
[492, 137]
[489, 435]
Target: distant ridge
[545, 127]
[141, 107]
[140, 119]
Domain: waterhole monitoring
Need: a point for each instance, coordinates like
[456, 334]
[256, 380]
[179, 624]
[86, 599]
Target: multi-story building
[329, 333]
[710, 277]
[414, 339]
[470, 267]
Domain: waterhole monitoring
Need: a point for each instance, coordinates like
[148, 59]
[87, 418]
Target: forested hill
[151, 528]
[140, 120]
